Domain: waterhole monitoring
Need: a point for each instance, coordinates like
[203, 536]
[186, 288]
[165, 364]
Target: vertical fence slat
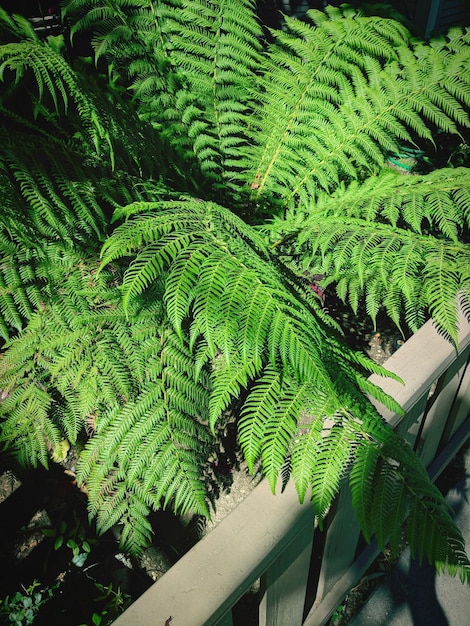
[409, 426]
[461, 408]
[341, 541]
[284, 584]
[447, 411]
[319, 614]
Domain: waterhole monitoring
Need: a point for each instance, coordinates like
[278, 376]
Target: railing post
[409, 426]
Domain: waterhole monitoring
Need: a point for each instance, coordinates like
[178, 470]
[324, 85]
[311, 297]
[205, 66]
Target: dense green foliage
[161, 204]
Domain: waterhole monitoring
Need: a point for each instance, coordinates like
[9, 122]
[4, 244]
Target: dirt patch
[8, 484]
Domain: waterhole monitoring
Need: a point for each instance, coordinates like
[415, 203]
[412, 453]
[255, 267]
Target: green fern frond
[9, 310]
[257, 412]
[311, 71]
[361, 480]
[389, 506]
[439, 103]
[78, 358]
[222, 289]
[380, 496]
[129, 513]
[430, 532]
[215, 47]
[443, 282]
[414, 279]
[26, 427]
[157, 441]
[190, 68]
[396, 488]
[215, 292]
[307, 440]
[375, 105]
[64, 206]
[358, 238]
[55, 79]
[330, 460]
[17, 26]
[278, 434]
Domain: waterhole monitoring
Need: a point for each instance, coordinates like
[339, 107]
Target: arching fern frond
[85, 361]
[28, 431]
[332, 105]
[190, 65]
[56, 83]
[394, 241]
[424, 274]
[386, 493]
[157, 444]
[258, 327]
[47, 198]
[57, 197]
[219, 291]
[216, 49]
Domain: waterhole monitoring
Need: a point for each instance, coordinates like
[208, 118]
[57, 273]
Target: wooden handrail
[267, 534]
[207, 581]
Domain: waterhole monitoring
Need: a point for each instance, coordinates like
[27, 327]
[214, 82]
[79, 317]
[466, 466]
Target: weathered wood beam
[205, 583]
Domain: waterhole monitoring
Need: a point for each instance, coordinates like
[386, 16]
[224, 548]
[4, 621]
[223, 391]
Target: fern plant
[160, 208]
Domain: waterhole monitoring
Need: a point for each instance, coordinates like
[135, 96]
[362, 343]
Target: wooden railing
[271, 539]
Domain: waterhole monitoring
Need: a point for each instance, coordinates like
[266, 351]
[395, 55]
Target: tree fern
[161, 213]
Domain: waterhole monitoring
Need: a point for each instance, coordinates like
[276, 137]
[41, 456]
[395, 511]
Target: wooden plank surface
[432, 352]
[202, 586]
[284, 584]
